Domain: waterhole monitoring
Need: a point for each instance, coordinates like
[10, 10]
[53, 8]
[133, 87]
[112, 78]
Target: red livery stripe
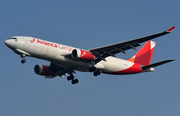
[136, 68]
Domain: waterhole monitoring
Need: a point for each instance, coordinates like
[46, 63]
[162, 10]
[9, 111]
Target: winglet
[171, 29]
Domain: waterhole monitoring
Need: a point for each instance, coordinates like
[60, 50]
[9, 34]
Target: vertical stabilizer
[145, 54]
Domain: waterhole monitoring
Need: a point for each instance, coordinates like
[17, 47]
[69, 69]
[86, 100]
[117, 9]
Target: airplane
[64, 60]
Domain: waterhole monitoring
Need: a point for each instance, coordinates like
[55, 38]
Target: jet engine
[44, 70]
[82, 54]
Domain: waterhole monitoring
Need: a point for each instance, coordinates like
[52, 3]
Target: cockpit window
[13, 38]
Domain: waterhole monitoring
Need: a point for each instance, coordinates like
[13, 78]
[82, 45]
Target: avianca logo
[33, 40]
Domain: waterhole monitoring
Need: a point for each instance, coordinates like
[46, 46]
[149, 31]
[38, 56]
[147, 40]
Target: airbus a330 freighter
[65, 59]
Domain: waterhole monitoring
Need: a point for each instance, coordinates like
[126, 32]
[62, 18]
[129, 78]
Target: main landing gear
[71, 78]
[23, 60]
[95, 71]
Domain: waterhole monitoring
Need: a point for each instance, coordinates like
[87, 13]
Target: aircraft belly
[71, 64]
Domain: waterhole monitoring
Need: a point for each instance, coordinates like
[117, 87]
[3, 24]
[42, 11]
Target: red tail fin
[145, 54]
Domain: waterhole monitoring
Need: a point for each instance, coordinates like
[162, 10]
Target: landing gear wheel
[96, 73]
[70, 77]
[23, 61]
[92, 69]
[74, 81]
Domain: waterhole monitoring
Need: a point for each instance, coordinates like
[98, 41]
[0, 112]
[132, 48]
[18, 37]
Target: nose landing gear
[23, 60]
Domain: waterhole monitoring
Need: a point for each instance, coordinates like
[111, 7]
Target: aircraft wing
[102, 52]
[61, 70]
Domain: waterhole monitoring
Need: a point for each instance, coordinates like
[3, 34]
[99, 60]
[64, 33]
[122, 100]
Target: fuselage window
[13, 38]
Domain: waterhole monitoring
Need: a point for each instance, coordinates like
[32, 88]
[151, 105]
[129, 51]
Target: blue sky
[90, 24]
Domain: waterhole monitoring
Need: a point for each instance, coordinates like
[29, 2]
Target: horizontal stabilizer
[156, 64]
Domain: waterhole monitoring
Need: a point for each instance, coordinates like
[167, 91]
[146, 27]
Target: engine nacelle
[44, 70]
[82, 54]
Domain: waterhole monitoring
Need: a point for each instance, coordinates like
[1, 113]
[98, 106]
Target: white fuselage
[58, 54]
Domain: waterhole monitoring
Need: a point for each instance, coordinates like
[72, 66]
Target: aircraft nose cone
[9, 44]
[6, 42]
